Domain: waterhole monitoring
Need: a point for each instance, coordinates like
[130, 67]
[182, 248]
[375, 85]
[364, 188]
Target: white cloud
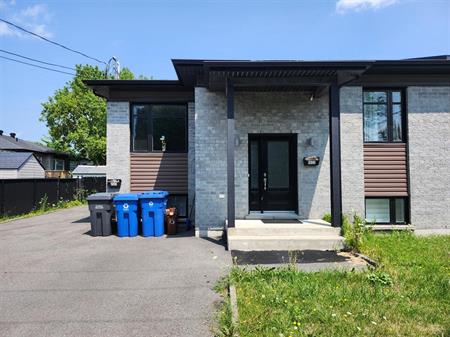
[7, 30]
[343, 6]
[41, 30]
[35, 12]
[4, 29]
[4, 3]
[34, 18]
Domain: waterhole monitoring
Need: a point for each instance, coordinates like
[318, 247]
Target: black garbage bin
[101, 208]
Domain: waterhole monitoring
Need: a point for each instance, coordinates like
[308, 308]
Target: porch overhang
[318, 80]
[279, 76]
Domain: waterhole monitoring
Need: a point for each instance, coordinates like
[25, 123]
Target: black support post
[230, 153]
[335, 156]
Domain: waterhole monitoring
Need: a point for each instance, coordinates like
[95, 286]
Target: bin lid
[101, 196]
[126, 197]
[153, 195]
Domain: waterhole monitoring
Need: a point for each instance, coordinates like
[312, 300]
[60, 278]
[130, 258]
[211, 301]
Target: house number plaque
[311, 161]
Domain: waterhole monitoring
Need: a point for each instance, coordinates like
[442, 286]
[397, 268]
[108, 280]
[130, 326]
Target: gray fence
[18, 196]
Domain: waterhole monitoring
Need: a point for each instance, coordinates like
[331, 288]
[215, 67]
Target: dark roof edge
[131, 82]
[306, 63]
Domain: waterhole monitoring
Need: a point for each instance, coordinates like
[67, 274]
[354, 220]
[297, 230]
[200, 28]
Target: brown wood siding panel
[159, 171]
[385, 170]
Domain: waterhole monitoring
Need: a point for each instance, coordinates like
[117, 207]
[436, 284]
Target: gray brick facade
[292, 112]
[191, 156]
[257, 113]
[429, 156]
[210, 160]
[352, 157]
[118, 144]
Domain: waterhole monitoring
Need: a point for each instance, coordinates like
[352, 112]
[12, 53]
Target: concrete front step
[283, 230]
[263, 235]
[284, 242]
[272, 216]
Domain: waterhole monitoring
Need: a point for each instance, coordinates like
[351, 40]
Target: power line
[32, 59]
[35, 65]
[50, 41]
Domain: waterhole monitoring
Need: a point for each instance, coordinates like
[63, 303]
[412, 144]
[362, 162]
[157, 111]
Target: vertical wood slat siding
[159, 171]
[385, 172]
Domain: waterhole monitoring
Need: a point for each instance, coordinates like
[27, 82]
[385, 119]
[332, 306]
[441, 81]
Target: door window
[254, 164]
[278, 164]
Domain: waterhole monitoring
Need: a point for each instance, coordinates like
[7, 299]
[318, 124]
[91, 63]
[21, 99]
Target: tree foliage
[76, 117]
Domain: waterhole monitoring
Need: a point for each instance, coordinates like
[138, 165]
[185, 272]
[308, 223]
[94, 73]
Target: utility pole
[113, 68]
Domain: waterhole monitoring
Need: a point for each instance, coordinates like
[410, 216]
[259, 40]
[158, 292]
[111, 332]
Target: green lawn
[408, 294]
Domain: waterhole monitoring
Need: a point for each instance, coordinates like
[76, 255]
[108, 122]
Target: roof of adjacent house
[89, 169]
[10, 143]
[13, 160]
[213, 73]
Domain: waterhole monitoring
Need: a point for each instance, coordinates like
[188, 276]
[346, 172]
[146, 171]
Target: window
[386, 210]
[180, 203]
[58, 165]
[158, 127]
[383, 116]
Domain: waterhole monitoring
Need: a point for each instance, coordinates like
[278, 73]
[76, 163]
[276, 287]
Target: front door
[272, 172]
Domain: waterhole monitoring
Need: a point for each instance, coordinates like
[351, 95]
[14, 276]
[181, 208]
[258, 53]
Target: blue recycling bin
[153, 206]
[127, 214]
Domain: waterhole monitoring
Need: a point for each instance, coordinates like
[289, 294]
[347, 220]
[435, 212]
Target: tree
[76, 117]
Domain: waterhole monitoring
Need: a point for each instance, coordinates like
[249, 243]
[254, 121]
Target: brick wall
[352, 159]
[257, 113]
[429, 156]
[210, 159]
[191, 156]
[118, 144]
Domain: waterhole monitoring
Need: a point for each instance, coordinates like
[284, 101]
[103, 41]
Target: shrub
[43, 205]
[81, 195]
[354, 232]
[327, 217]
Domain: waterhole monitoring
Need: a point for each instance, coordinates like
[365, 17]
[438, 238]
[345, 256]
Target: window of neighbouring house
[383, 116]
[159, 127]
[386, 210]
[180, 202]
[58, 165]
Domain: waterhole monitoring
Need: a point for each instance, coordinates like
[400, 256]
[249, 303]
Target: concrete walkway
[56, 280]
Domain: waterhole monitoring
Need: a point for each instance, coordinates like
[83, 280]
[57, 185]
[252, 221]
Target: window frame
[389, 114]
[392, 210]
[150, 127]
[55, 161]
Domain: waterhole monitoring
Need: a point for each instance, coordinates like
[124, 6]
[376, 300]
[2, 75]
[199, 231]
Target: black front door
[272, 172]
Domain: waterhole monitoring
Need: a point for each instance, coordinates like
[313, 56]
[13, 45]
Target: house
[89, 171]
[14, 165]
[240, 140]
[56, 164]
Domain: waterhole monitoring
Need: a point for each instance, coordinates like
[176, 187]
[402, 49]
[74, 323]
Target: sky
[146, 35]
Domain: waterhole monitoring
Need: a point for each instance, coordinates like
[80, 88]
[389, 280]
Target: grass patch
[45, 207]
[408, 294]
[224, 326]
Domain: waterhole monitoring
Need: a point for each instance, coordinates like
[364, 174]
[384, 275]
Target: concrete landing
[258, 235]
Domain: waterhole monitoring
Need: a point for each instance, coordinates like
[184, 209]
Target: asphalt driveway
[57, 280]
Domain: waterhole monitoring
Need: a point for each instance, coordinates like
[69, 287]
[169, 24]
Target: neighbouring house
[56, 164]
[14, 165]
[275, 140]
[89, 171]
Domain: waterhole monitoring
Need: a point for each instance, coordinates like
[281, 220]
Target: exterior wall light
[163, 143]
